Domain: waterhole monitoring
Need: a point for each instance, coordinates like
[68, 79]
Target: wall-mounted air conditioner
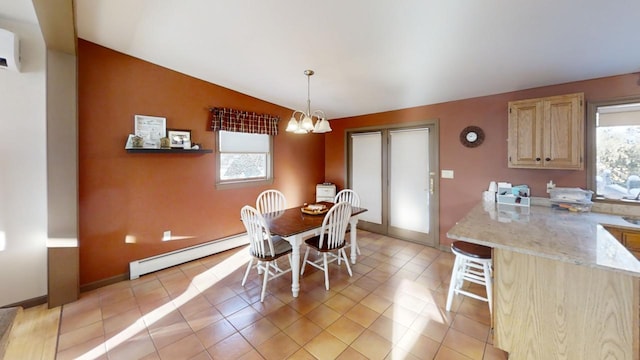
[9, 50]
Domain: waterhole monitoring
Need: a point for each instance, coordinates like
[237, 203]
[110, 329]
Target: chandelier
[304, 123]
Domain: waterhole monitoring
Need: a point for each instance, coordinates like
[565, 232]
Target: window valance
[243, 121]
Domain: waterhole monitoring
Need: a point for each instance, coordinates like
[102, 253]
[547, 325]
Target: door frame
[434, 156]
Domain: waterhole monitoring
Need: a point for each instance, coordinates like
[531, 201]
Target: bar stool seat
[473, 264]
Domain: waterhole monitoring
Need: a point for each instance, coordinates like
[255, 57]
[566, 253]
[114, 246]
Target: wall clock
[471, 136]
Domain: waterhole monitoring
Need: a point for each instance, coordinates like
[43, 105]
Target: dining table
[294, 226]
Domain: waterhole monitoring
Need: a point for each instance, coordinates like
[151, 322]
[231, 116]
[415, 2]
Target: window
[243, 159]
[615, 150]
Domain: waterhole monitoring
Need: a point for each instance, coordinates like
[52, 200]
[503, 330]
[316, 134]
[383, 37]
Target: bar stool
[473, 263]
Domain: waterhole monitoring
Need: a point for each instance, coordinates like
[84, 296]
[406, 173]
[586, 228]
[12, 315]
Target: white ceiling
[371, 55]
[18, 10]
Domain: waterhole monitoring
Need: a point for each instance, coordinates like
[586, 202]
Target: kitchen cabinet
[629, 238]
[547, 133]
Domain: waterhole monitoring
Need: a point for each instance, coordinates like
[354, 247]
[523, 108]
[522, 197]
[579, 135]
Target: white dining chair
[352, 198]
[271, 201]
[263, 247]
[330, 243]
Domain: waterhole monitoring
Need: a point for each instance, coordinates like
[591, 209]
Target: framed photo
[151, 129]
[178, 138]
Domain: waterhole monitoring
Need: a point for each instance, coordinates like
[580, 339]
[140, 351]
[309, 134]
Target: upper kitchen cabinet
[547, 133]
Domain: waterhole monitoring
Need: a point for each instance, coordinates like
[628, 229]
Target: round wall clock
[471, 136]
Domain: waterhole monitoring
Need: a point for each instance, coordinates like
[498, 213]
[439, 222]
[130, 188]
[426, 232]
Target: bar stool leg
[455, 279]
[489, 285]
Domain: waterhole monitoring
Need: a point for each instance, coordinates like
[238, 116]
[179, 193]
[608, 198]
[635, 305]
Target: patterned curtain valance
[243, 121]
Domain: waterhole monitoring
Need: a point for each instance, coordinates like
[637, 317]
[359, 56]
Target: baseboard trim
[446, 248]
[25, 304]
[104, 282]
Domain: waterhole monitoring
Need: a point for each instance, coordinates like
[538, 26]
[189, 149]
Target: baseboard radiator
[173, 258]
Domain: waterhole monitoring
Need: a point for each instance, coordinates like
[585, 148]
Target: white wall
[23, 171]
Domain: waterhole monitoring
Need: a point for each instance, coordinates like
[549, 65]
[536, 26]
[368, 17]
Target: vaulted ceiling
[370, 55]
[54, 17]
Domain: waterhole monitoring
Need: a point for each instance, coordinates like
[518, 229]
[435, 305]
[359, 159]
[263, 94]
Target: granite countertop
[577, 238]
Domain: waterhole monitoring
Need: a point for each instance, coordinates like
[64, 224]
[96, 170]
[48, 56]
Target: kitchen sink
[632, 220]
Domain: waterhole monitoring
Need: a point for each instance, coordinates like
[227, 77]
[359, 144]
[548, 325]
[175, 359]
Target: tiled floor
[392, 308]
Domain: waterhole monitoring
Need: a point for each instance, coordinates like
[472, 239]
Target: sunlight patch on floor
[199, 283]
[406, 296]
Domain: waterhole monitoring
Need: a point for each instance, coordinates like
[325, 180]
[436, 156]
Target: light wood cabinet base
[546, 309]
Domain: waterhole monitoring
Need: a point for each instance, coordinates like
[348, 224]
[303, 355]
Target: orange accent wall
[475, 168]
[142, 195]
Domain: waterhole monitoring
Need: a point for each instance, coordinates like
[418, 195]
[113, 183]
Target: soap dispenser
[550, 185]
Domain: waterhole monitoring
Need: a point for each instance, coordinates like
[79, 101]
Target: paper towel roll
[493, 186]
[489, 196]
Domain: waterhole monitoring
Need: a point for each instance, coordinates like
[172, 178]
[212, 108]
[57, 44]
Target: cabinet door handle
[547, 159]
[538, 159]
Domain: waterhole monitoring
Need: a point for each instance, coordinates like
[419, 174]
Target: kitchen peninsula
[564, 287]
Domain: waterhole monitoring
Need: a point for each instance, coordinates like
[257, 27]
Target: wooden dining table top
[293, 221]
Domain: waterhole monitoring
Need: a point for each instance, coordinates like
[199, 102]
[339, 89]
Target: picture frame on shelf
[151, 129]
[179, 138]
[134, 142]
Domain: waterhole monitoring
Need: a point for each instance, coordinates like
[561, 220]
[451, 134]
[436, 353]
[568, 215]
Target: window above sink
[613, 140]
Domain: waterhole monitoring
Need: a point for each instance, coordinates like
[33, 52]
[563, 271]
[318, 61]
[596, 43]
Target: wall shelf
[169, 151]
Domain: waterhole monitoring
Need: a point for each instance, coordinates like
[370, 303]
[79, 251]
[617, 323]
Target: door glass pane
[367, 174]
[409, 179]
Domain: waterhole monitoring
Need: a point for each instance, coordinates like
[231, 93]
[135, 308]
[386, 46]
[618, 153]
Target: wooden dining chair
[330, 240]
[270, 201]
[264, 248]
[352, 198]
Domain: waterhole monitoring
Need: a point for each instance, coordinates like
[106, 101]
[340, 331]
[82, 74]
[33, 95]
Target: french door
[394, 172]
